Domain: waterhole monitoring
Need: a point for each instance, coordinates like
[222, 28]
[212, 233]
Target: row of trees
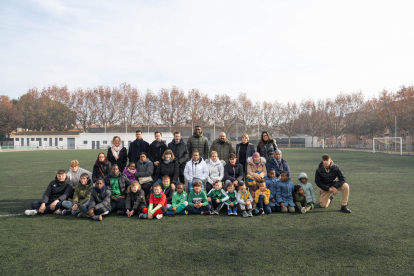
[57, 108]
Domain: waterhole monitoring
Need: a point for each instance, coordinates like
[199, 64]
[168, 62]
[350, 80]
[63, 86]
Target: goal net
[387, 144]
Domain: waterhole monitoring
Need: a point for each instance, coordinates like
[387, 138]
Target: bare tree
[172, 107]
[289, 114]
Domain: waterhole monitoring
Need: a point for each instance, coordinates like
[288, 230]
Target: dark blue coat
[284, 166]
[284, 193]
[136, 148]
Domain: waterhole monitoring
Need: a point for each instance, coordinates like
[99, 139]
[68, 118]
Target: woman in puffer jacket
[195, 169]
[267, 146]
[256, 170]
[215, 169]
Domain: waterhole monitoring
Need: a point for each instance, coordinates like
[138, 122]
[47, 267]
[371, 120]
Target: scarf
[167, 161]
[256, 154]
[131, 171]
[165, 187]
[214, 163]
[158, 196]
[98, 191]
[115, 151]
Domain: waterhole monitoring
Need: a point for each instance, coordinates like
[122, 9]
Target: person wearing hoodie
[198, 142]
[156, 150]
[99, 203]
[331, 180]
[135, 201]
[244, 150]
[117, 154]
[144, 171]
[266, 146]
[233, 171]
[180, 151]
[195, 170]
[137, 147]
[56, 192]
[167, 166]
[101, 168]
[256, 170]
[307, 189]
[222, 146]
[279, 164]
[75, 172]
[81, 196]
[118, 184]
[215, 170]
[284, 193]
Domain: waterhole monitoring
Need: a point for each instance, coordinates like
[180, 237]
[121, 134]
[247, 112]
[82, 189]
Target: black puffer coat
[325, 179]
[170, 169]
[98, 169]
[101, 201]
[154, 153]
[267, 150]
[134, 200]
[122, 158]
[180, 154]
[233, 172]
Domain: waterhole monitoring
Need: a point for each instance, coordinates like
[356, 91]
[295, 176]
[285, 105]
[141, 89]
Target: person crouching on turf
[118, 182]
[216, 198]
[57, 191]
[135, 200]
[284, 191]
[262, 198]
[244, 200]
[99, 203]
[300, 199]
[231, 202]
[307, 189]
[197, 200]
[179, 201]
[157, 204]
[81, 196]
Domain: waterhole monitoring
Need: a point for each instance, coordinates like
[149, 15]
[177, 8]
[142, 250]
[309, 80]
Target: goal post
[387, 141]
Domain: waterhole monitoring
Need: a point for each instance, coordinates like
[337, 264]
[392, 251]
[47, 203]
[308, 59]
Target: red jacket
[155, 201]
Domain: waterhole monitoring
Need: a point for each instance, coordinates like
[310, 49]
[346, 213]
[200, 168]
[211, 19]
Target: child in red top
[157, 204]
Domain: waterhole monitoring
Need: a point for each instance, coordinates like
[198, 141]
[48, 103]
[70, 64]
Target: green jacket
[223, 149]
[299, 198]
[198, 142]
[194, 198]
[232, 198]
[218, 194]
[179, 199]
[82, 193]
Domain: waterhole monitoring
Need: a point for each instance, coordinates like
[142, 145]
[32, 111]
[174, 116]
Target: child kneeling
[99, 203]
[179, 201]
[216, 198]
[262, 198]
[244, 200]
[157, 199]
[197, 200]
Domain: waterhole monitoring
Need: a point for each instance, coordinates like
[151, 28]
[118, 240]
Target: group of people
[151, 185]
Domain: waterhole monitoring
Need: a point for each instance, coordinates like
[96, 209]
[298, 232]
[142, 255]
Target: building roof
[49, 133]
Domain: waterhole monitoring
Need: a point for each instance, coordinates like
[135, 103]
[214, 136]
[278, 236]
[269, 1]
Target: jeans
[263, 206]
[101, 211]
[199, 211]
[118, 205]
[69, 204]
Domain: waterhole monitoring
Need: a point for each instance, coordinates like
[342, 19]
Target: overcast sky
[284, 50]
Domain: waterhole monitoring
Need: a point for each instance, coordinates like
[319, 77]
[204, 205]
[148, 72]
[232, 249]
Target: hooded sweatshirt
[307, 188]
[57, 190]
[82, 193]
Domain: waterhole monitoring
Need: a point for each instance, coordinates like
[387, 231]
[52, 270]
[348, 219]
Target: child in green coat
[231, 202]
[216, 198]
[307, 189]
[179, 201]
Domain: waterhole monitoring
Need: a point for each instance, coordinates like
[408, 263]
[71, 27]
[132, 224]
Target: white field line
[10, 215]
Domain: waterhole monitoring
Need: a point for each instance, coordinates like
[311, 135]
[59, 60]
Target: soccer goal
[387, 144]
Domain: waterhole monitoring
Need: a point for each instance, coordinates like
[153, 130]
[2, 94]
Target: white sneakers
[30, 212]
[57, 212]
[303, 210]
[159, 216]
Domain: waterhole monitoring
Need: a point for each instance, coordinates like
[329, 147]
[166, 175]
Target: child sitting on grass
[99, 203]
[216, 198]
[284, 191]
[244, 200]
[81, 196]
[157, 204]
[118, 183]
[179, 201]
[300, 199]
[135, 200]
[130, 172]
[231, 202]
[197, 200]
[307, 189]
[262, 198]
[57, 191]
[167, 189]
[271, 182]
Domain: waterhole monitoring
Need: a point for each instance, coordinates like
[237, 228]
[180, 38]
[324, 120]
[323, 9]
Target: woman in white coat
[215, 170]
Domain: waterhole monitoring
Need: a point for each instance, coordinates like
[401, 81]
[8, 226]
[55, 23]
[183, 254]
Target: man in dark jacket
[179, 148]
[56, 192]
[223, 147]
[331, 180]
[156, 150]
[137, 147]
[199, 142]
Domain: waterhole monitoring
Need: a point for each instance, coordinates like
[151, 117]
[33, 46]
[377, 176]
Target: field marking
[10, 215]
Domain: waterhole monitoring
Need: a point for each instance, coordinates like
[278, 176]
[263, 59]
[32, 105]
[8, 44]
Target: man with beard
[156, 150]
[199, 142]
[223, 147]
[179, 148]
[137, 147]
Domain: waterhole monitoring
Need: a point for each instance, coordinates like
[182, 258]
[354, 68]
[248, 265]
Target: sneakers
[303, 210]
[330, 199]
[30, 212]
[230, 212]
[159, 216]
[244, 214]
[119, 212]
[345, 209]
[212, 211]
[143, 216]
[235, 211]
[58, 212]
[216, 212]
[66, 212]
[97, 217]
[169, 213]
[82, 215]
[260, 212]
[184, 212]
[205, 213]
[250, 213]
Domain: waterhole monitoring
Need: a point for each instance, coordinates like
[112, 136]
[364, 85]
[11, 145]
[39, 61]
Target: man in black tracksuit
[179, 148]
[156, 150]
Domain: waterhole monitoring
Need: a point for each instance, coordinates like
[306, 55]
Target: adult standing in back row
[156, 150]
[198, 142]
[137, 147]
[267, 146]
[117, 154]
[179, 148]
[223, 147]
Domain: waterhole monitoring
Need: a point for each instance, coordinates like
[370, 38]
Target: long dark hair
[97, 159]
[261, 138]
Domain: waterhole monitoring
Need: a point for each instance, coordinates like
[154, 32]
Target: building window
[104, 142]
[401, 136]
[31, 139]
[44, 139]
[17, 139]
[60, 139]
[85, 142]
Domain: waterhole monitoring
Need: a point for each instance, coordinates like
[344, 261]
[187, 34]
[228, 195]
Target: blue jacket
[284, 192]
[284, 166]
[136, 148]
[271, 185]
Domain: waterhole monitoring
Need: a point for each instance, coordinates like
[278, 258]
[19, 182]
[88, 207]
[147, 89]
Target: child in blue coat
[271, 182]
[284, 193]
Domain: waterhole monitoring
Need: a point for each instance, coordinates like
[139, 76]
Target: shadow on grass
[15, 205]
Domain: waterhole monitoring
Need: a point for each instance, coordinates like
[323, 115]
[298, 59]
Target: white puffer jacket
[197, 170]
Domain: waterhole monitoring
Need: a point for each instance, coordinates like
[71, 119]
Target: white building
[77, 140]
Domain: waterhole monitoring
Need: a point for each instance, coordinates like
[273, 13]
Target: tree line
[56, 108]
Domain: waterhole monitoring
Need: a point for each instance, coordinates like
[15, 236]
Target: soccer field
[376, 238]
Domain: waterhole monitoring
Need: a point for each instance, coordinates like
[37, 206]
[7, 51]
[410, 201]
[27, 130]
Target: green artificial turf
[376, 238]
